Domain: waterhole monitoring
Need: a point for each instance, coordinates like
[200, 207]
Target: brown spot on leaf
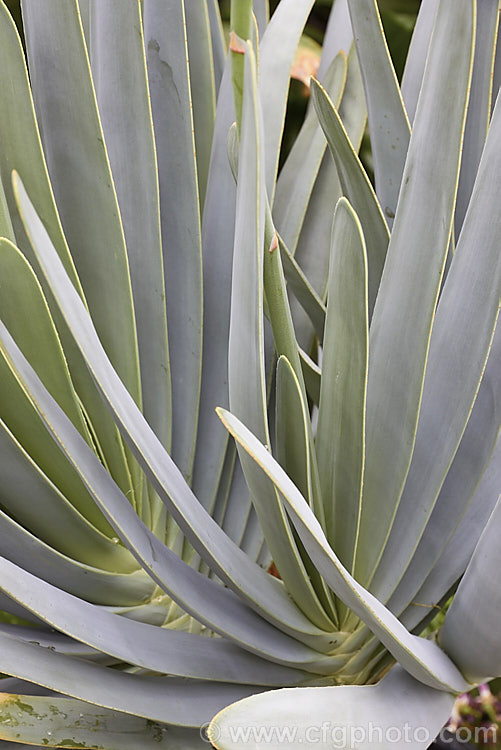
[272, 570]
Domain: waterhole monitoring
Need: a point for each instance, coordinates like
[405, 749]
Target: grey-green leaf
[157, 464]
[421, 658]
[356, 186]
[35, 501]
[168, 75]
[470, 633]
[397, 709]
[340, 440]
[388, 123]
[164, 699]
[80, 174]
[156, 649]
[298, 174]
[65, 722]
[203, 86]
[119, 75]
[247, 387]
[207, 601]
[459, 550]
[458, 350]
[416, 56]
[217, 242]
[458, 494]
[480, 104]
[403, 314]
[276, 55]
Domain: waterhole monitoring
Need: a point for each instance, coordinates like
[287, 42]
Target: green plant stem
[241, 30]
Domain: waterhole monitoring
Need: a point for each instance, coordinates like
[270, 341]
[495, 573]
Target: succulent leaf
[479, 659]
[371, 716]
[156, 263]
[341, 451]
[410, 284]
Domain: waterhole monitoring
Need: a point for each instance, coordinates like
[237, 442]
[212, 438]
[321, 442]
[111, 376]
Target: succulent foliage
[155, 264]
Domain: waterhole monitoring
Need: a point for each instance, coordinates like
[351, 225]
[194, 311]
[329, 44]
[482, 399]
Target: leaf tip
[274, 243]
[15, 179]
[236, 44]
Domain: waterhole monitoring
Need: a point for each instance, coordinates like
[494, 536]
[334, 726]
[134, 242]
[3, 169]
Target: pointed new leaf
[218, 41]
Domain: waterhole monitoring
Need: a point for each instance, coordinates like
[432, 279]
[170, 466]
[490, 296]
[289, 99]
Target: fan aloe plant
[154, 266]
